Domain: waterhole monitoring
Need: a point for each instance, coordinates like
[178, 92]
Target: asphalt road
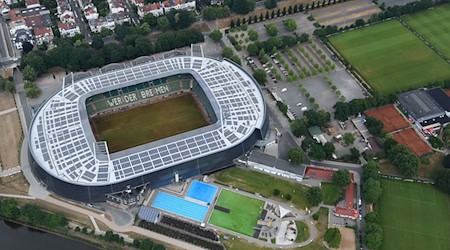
[79, 19]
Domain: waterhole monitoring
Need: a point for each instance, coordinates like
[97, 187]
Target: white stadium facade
[68, 161]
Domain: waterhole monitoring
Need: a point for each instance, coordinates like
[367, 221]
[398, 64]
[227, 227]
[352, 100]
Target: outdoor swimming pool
[202, 192]
[180, 206]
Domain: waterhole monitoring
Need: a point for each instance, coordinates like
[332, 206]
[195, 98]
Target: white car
[360, 217]
[283, 90]
[359, 202]
[298, 104]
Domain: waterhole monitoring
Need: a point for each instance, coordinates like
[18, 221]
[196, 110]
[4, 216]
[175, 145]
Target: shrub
[276, 192]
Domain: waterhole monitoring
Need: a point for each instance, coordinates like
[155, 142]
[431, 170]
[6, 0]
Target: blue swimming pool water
[180, 206]
[202, 191]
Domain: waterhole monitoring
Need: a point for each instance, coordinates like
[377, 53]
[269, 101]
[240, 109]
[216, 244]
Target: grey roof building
[426, 106]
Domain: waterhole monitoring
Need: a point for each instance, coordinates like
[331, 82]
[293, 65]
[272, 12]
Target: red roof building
[32, 3]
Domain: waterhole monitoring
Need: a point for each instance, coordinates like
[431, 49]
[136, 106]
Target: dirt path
[10, 134]
[348, 241]
[6, 101]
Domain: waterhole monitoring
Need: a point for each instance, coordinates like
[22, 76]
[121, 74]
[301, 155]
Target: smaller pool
[180, 206]
[202, 191]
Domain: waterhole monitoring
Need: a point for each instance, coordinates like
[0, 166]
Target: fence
[400, 178]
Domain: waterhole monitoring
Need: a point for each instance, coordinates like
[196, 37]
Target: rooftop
[62, 142]
[272, 161]
[420, 105]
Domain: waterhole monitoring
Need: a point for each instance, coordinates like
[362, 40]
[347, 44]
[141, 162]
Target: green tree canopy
[163, 23]
[341, 178]
[216, 35]
[372, 190]
[296, 155]
[317, 152]
[270, 4]
[374, 126]
[371, 170]
[290, 24]
[227, 52]
[29, 73]
[299, 127]
[329, 149]
[242, 6]
[314, 196]
[272, 29]
[404, 160]
[333, 237]
[260, 76]
[349, 138]
[252, 35]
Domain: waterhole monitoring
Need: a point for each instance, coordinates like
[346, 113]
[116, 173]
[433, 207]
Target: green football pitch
[434, 26]
[390, 57]
[244, 212]
[414, 216]
[149, 123]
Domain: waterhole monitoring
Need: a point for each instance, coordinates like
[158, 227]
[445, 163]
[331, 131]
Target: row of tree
[31, 214]
[343, 110]
[133, 43]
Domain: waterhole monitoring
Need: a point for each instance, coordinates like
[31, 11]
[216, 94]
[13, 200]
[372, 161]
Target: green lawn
[414, 216]
[243, 216]
[390, 57]
[434, 26]
[264, 184]
[331, 194]
[303, 231]
[141, 125]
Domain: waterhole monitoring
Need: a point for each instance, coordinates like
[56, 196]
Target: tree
[282, 107]
[10, 87]
[389, 143]
[436, 142]
[29, 73]
[227, 52]
[252, 49]
[183, 19]
[372, 190]
[317, 118]
[341, 178]
[374, 126]
[371, 170]
[333, 237]
[271, 29]
[374, 235]
[314, 196]
[299, 127]
[260, 76]
[216, 36]
[146, 244]
[404, 160]
[9, 209]
[290, 24]
[359, 22]
[270, 4]
[372, 217]
[151, 20]
[349, 138]
[97, 42]
[296, 155]
[317, 152]
[242, 6]
[276, 192]
[446, 161]
[442, 179]
[163, 23]
[32, 91]
[329, 149]
[252, 35]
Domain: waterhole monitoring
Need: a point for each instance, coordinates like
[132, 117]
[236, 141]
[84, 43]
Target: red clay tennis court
[447, 91]
[411, 139]
[391, 118]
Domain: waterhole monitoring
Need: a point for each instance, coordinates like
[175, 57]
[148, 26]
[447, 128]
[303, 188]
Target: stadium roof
[62, 142]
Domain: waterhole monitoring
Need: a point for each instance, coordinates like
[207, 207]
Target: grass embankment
[263, 184]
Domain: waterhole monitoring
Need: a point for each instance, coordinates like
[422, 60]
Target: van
[304, 109]
[283, 90]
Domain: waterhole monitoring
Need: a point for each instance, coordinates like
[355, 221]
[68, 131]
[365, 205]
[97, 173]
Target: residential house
[32, 4]
[68, 29]
[43, 35]
[162, 8]
[65, 12]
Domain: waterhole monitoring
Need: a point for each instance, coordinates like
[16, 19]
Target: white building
[68, 29]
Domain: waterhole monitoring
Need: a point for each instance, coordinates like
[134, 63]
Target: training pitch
[433, 25]
[414, 216]
[130, 128]
[390, 57]
[243, 216]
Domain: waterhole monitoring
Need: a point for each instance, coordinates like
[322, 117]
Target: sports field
[434, 26]
[390, 57]
[414, 216]
[141, 125]
[243, 216]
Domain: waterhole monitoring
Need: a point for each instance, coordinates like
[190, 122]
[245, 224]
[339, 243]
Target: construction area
[345, 14]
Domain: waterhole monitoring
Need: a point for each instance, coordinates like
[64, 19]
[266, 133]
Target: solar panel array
[61, 147]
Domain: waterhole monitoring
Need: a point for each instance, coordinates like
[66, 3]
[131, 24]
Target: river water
[18, 237]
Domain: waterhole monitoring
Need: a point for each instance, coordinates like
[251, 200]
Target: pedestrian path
[4, 112]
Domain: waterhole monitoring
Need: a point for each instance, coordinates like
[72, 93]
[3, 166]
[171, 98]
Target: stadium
[146, 125]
